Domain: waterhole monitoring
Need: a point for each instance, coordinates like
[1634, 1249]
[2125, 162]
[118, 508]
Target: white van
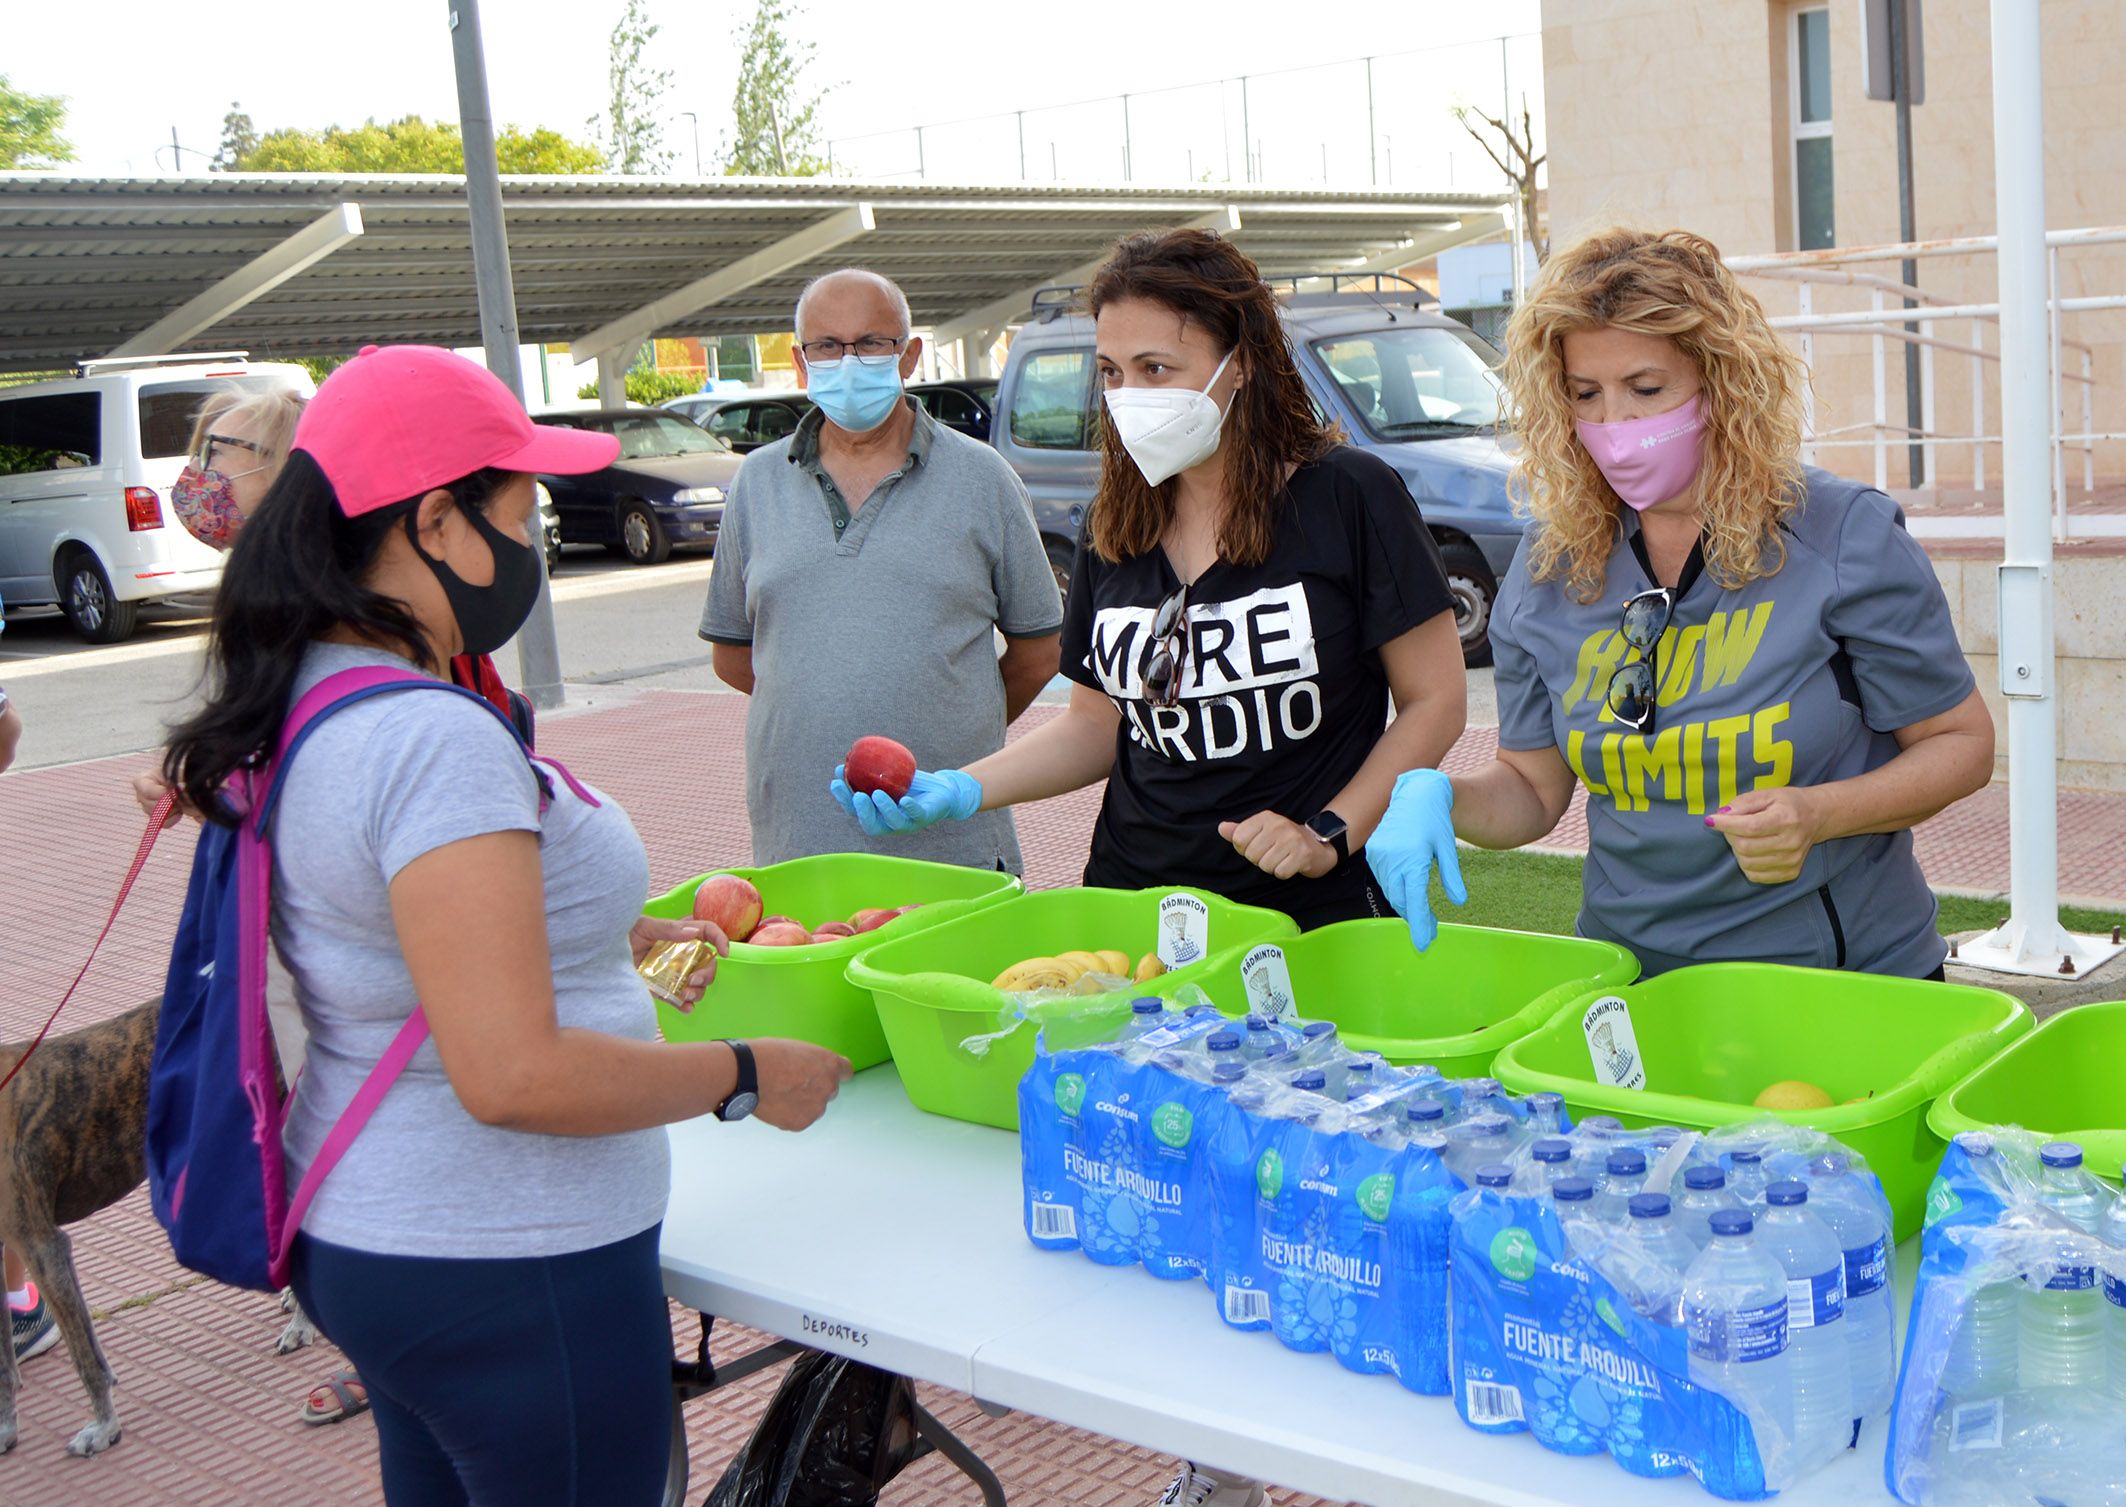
[86, 466]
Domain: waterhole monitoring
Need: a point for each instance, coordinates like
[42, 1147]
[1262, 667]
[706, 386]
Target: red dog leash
[156, 819]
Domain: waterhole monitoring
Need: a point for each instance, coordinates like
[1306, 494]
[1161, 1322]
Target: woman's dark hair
[1272, 425]
[294, 575]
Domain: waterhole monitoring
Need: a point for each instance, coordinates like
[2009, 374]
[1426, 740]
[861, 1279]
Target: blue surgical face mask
[858, 393]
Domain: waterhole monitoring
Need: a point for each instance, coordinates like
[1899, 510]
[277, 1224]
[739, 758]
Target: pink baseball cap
[401, 420]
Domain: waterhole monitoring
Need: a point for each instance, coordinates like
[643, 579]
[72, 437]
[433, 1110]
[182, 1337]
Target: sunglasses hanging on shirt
[1634, 688]
[1162, 674]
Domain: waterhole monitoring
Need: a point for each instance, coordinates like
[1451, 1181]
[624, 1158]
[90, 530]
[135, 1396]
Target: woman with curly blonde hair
[1747, 662]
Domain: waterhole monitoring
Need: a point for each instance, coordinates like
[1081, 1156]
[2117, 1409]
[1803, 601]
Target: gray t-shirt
[376, 786]
[877, 621]
[1799, 678]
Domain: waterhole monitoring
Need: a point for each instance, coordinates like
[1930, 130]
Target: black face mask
[488, 616]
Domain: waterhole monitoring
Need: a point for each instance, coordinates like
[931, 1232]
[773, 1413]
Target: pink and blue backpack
[217, 1102]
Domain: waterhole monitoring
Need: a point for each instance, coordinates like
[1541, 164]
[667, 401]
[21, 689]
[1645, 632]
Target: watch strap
[747, 1088]
[1340, 839]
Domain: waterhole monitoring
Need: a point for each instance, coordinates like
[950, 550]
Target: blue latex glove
[947, 795]
[1415, 837]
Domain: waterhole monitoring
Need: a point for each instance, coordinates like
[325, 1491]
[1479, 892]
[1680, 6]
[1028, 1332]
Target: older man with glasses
[866, 566]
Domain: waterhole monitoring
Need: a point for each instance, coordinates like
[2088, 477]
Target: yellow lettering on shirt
[1731, 640]
[1661, 754]
[1694, 767]
[1772, 751]
[1575, 751]
[1613, 771]
[1724, 731]
[1599, 658]
[1679, 663]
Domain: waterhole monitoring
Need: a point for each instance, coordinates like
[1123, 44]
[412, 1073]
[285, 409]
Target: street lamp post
[695, 121]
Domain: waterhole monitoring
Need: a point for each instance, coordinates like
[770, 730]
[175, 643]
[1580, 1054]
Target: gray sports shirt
[1800, 678]
[880, 621]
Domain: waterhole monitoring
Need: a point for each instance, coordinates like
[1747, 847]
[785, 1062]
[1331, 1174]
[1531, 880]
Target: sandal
[349, 1394]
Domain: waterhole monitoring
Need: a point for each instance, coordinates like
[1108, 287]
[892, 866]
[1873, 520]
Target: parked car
[746, 421]
[1413, 386]
[665, 489]
[85, 462]
[966, 406]
[695, 407]
[549, 525]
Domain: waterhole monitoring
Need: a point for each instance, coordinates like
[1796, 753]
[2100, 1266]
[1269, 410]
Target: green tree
[410, 145]
[775, 131]
[29, 129]
[239, 139]
[633, 127]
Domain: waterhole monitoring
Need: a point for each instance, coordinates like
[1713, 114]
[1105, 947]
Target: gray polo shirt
[1799, 678]
[880, 621]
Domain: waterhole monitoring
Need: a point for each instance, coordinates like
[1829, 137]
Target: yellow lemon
[1793, 1093]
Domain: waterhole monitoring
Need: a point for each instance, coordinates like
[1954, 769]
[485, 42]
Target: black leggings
[540, 1381]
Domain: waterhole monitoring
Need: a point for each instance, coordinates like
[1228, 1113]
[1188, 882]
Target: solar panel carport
[292, 265]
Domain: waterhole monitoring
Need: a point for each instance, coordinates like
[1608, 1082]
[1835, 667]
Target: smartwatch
[1328, 827]
[745, 1098]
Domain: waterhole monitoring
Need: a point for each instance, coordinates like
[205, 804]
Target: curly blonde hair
[1672, 284]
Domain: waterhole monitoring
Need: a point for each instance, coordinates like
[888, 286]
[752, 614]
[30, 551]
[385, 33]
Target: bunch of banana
[1070, 970]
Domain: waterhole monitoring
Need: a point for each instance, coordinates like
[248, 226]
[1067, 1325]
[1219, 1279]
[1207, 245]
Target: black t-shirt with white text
[1283, 691]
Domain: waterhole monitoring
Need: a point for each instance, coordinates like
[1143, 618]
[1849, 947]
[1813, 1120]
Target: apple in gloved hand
[879, 764]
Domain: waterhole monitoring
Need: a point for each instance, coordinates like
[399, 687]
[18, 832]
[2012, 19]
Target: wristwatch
[1329, 828]
[745, 1098]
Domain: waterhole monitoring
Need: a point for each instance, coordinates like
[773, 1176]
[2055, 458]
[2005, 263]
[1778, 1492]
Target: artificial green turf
[1541, 892]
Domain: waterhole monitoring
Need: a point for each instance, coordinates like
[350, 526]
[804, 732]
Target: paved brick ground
[209, 1409]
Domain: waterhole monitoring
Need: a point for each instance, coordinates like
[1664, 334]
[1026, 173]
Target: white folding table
[893, 1237]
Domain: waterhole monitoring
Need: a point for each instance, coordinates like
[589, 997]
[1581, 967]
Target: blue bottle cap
[2060, 1154]
[1226, 1074]
[1494, 1176]
[1568, 1190]
[1649, 1206]
[1276, 1049]
[1731, 1222]
[1701, 1178]
[1258, 1023]
[1147, 1004]
[1314, 1030]
[1664, 1136]
[1363, 1066]
[1552, 1149]
[1309, 1082]
[1606, 1124]
[1546, 1100]
[1490, 1125]
[1222, 1041]
[1426, 1112]
[1626, 1161]
[1787, 1194]
[1745, 1157]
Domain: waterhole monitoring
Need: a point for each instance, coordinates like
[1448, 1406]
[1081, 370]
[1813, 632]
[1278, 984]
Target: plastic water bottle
[1704, 1195]
[1840, 1201]
[1214, 1051]
[1735, 1316]
[1478, 1142]
[1147, 1013]
[2112, 1227]
[2062, 1312]
[1573, 1198]
[1318, 1043]
[1478, 1096]
[1495, 1175]
[1259, 1037]
[1546, 1113]
[1551, 1159]
[1819, 1357]
[1593, 1139]
[1746, 1177]
[1985, 1353]
[1623, 1175]
[1661, 1255]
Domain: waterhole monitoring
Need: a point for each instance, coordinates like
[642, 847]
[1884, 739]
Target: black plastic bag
[834, 1434]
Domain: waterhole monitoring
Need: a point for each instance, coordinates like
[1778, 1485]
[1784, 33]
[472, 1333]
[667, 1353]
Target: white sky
[138, 67]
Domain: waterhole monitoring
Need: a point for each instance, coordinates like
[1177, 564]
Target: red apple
[781, 934]
[834, 929]
[731, 902]
[879, 764]
[871, 920]
[782, 921]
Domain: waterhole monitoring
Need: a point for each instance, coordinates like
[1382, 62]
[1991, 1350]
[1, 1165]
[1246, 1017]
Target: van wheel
[1475, 592]
[85, 596]
[1061, 557]
[642, 538]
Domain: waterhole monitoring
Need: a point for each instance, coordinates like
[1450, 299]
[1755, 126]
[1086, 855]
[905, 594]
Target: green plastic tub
[1715, 1037]
[1453, 1005]
[2062, 1080]
[803, 992]
[933, 992]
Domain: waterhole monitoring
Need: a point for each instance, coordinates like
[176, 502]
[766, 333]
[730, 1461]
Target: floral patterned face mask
[204, 498]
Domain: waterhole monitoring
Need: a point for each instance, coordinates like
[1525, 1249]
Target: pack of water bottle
[2015, 1358]
[1717, 1305]
[1304, 1183]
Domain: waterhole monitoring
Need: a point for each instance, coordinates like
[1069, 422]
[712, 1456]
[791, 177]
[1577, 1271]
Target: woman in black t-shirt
[1249, 598]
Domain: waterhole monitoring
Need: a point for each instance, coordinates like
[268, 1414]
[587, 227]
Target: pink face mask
[205, 503]
[1649, 460]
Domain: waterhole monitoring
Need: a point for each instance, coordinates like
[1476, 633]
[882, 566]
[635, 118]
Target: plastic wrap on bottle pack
[2012, 1254]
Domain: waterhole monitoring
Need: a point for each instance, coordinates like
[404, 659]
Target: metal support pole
[1901, 88]
[1926, 402]
[1805, 302]
[2032, 940]
[1247, 133]
[1022, 146]
[1978, 408]
[921, 170]
[2088, 425]
[1372, 137]
[538, 645]
[612, 376]
[1882, 411]
[1128, 168]
[2053, 321]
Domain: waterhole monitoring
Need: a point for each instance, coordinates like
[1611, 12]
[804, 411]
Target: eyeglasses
[1634, 687]
[207, 447]
[1162, 676]
[827, 352]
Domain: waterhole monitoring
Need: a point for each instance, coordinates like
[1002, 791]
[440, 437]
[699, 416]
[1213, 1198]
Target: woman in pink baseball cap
[486, 1251]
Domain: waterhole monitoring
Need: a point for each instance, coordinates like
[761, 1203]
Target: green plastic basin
[932, 990]
[803, 992]
[1715, 1037]
[2061, 1081]
[1454, 1005]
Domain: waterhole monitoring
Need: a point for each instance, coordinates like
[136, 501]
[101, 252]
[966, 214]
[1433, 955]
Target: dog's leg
[300, 1330]
[51, 1261]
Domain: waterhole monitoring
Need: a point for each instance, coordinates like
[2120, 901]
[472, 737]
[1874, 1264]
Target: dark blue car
[665, 491]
